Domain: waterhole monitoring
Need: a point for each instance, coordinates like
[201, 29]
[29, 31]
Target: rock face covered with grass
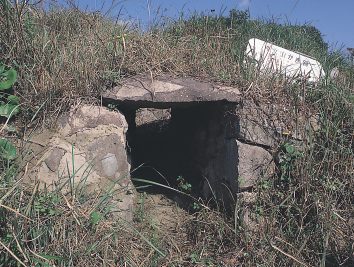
[88, 153]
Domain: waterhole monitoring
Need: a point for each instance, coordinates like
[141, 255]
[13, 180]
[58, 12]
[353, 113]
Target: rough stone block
[253, 163]
[151, 115]
[89, 149]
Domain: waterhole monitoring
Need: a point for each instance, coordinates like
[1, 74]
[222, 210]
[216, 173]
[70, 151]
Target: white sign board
[277, 59]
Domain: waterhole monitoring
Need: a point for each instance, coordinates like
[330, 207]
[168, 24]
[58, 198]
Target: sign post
[275, 59]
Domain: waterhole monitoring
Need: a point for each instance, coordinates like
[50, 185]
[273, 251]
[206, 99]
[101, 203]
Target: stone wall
[221, 144]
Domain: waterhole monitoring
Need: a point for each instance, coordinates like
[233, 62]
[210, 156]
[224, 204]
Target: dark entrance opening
[177, 150]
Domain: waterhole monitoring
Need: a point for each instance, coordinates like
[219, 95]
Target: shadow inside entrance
[178, 153]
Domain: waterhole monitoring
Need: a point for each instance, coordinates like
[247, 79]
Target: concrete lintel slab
[144, 91]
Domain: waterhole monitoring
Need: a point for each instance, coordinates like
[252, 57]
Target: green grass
[65, 55]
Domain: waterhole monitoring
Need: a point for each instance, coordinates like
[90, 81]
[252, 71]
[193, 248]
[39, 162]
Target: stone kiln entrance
[174, 132]
[180, 134]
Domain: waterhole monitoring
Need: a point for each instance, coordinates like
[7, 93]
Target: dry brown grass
[61, 55]
[64, 55]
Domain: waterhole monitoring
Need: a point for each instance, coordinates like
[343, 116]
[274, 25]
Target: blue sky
[335, 19]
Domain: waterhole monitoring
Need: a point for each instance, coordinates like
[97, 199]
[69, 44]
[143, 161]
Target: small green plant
[46, 204]
[183, 185]
[287, 157]
[7, 149]
[95, 217]
[265, 184]
[140, 211]
[9, 104]
[196, 206]
[194, 258]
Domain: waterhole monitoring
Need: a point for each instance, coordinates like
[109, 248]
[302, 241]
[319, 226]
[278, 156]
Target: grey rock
[249, 220]
[253, 163]
[268, 124]
[53, 160]
[150, 115]
[110, 143]
[109, 165]
[253, 131]
[256, 124]
[89, 148]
